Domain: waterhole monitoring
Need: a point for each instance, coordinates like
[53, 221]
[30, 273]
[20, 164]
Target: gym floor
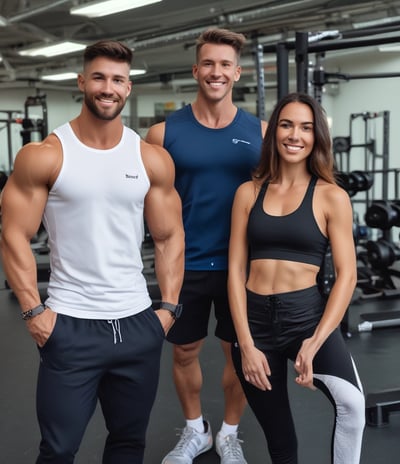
[376, 353]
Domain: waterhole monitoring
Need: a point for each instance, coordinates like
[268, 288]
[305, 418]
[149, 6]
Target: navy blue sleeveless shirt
[210, 164]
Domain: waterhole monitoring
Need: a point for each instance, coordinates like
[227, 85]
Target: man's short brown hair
[109, 49]
[221, 37]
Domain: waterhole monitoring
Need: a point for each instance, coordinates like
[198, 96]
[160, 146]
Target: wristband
[174, 309]
[33, 312]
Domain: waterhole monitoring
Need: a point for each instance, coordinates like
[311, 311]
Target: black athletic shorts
[201, 291]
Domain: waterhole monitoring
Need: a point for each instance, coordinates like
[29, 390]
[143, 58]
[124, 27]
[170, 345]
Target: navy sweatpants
[84, 361]
[279, 324]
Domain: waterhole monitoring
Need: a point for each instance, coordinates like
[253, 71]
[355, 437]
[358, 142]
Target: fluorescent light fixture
[67, 75]
[377, 22]
[64, 76]
[108, 7]
[393, 48]
[137, 72]
[61, 48]
[3, 21]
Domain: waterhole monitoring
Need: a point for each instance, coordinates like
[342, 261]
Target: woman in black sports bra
[282, 222]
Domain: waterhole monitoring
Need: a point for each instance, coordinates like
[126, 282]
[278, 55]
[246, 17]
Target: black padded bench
[380, 405]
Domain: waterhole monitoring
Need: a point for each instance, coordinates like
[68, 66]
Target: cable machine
[11, 117]
[35, 128]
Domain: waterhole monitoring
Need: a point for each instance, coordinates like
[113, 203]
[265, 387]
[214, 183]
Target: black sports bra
[293, 237]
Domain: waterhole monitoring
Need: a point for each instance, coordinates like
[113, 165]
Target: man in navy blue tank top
[215, 146]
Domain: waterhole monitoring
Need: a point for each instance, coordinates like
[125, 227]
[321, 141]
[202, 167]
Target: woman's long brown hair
[320, 161]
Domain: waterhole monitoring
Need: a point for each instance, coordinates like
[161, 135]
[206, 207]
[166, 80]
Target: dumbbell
[360, 232]
[355, 181]
[341, 144]
[360, 181]
[382, 253]
[383, 214]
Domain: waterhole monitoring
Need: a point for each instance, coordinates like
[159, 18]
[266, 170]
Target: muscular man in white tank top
[92, 182]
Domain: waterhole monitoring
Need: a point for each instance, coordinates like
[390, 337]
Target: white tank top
[94, 219]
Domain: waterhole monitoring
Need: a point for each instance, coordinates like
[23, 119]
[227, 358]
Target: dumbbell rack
[377, 283]
[378, 274]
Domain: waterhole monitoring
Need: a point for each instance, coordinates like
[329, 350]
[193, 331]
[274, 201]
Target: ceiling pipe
[165, 39]
[35, 11]
[267, 11]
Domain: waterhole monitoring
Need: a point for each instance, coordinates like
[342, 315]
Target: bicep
[238, 235]
[340, 232]
[155, 134]
[22, 206]
[26, 191]
[163, 210]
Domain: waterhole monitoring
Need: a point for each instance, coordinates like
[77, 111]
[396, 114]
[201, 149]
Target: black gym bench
[380, 405]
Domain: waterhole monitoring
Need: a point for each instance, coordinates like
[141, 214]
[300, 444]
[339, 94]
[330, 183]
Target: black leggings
[279, 323]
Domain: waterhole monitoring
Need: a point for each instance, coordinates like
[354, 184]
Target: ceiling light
[137, 72]
[394, 48]
[108, 7]
[377, 22]
[61, 48]
[67, 75]
[3, 21]
[64, 76]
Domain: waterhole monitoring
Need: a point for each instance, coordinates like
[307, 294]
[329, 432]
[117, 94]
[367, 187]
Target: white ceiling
[163, 34]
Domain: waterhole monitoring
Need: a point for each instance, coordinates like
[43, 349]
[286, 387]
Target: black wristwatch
[33, 312]
[174, 309]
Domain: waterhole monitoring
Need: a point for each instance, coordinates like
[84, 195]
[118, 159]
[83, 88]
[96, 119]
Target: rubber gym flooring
[376, 353]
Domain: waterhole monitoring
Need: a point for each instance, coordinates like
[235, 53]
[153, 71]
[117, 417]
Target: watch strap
[33, 312]
[174, 309]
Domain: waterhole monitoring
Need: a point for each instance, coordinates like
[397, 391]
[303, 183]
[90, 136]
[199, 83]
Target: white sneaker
[229, 449]
[190, 445]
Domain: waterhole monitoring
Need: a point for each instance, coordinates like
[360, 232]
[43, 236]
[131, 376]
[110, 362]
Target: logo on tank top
[131, 176]
[236, 141]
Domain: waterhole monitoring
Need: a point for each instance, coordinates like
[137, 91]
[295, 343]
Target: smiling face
[295, 132]
[106, 86]
[216, 70]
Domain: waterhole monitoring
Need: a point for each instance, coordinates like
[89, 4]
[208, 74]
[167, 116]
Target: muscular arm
[163, 214]
[23, 201]
[237, 274]
[254, 363]
[155, 135]
[340, 232]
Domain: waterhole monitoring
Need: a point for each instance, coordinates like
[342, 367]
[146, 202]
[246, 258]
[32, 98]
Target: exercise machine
[34, 127]
[10, 117]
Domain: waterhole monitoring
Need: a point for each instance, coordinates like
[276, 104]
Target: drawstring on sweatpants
[116, 330]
